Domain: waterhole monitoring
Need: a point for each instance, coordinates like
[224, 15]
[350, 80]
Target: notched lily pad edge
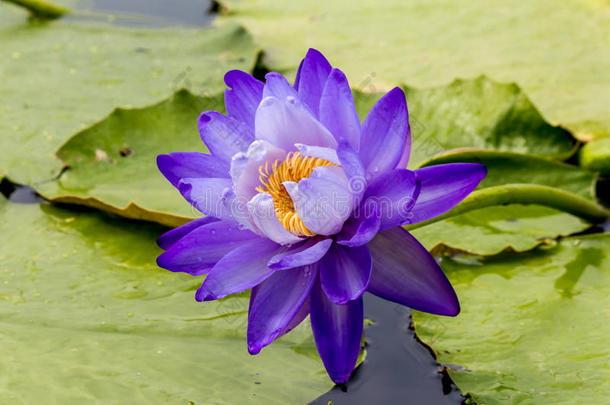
[131, 211]
[445, 249]
[444, 369]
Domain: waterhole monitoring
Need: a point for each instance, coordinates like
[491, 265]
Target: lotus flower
[304, 206]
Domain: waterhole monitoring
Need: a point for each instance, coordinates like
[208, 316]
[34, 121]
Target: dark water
[159, 13]
[602, 190]
[19, 193]
[399, 369]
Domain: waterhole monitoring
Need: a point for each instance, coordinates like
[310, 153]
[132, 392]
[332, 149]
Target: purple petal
[337, 330]
[395, 193]
[244, 96]
[178, 165]
[297, 78]
[312, 75]
[277, 86]
[263, 214]
[207, 195]
[239, 270]
[328, 154]
[309, 252]
[224, 136]
[345, 273]
[275, 302]
[404, 272]
[353, 168]
[283, 123]
[443, 187]
[245, 168]
[298, 318]
[199, 250]
[385, 133]
[237, 210]
[360, 229]
[322, 201]
[406, 152]
[338, 110]
[168, 239]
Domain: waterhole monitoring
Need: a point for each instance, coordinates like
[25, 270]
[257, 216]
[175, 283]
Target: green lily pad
[537, 44]
[63, 76]
[479, 113]
[524, 194]
[596, 156]
[493, 230]
[482, 113]
[513, 168]
[87, 317]
[533, 326]
[112, 165]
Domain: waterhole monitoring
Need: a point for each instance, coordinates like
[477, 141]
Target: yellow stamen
[293, 168]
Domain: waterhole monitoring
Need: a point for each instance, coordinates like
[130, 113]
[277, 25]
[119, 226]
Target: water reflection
[19, 193]
[398, 368]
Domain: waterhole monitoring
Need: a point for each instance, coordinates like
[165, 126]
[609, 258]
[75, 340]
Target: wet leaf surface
[115, 160]
[86, 316]
[532, 327]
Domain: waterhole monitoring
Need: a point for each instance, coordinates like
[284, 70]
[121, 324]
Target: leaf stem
[525, 194]
[40, 8]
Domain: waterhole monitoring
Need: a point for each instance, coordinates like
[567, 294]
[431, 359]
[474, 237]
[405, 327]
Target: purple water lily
[304, 205]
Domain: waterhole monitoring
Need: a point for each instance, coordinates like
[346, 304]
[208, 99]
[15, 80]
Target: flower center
[293, 168]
